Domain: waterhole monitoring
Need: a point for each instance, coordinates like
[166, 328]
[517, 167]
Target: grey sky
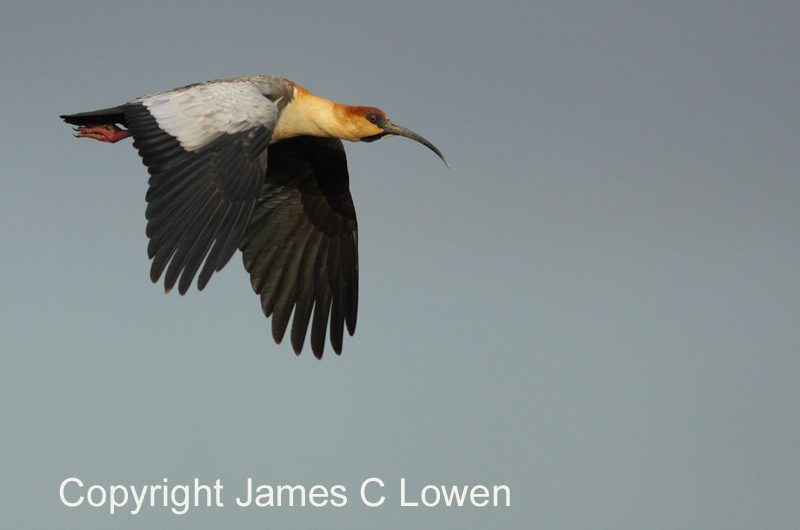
[597, 306]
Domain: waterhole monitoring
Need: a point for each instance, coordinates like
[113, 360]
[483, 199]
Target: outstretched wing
[205, 147]
[301, 248]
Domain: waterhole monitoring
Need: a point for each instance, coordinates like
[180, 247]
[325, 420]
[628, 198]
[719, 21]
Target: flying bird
[254, 163]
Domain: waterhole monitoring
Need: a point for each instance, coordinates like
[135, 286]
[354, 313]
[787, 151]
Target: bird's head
[372, 124]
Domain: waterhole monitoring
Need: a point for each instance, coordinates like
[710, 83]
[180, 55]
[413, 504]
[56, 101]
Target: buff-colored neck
[309, 115]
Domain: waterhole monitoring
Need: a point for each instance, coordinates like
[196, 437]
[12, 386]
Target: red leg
[105, 133]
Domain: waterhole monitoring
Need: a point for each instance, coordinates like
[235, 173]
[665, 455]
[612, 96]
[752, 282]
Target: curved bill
[390, 128]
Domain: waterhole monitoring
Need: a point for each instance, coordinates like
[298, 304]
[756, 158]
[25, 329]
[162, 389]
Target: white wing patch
[198, 115]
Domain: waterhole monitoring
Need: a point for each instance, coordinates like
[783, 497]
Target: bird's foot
[105, 133]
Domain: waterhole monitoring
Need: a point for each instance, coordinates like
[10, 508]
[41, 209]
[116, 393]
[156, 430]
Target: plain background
[597, 306]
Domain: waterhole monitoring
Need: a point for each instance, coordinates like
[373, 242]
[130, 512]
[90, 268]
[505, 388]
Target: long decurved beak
[390, 128]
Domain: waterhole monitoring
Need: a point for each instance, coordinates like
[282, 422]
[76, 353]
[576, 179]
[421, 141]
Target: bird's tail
[97, 117]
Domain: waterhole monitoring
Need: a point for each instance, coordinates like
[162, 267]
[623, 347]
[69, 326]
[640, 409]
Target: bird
[254, 163]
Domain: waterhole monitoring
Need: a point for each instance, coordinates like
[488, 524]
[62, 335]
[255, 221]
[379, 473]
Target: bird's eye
[372, 117]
